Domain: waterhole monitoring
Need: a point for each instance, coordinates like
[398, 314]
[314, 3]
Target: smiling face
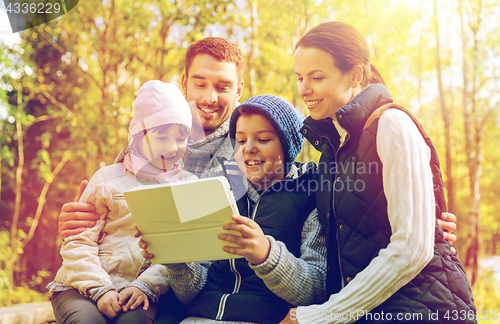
[215, 87]
[164, 149]
[323, 87]
[260, 154]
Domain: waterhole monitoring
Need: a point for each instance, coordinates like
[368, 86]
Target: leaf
[7, 155]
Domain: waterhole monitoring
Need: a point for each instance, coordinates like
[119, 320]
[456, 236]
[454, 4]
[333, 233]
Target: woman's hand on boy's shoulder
[252, 244]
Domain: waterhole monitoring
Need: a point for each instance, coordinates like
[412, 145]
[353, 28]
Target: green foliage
[486, 294]
[21, 295]
[11, 294]
[7, 155]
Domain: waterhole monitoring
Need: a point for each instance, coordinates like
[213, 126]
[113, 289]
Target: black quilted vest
[233, 291]
[353, 208]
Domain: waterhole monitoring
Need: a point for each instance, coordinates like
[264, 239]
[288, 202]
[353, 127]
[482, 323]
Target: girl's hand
[108, 304]
[253, 244]
[135, 298]
[291, 317]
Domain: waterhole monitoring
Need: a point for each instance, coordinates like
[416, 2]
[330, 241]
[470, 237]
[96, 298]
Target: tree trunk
[254, 43]
[446, 119]
[42, 200]
[0, 176]
[19, 181]
[472, 147]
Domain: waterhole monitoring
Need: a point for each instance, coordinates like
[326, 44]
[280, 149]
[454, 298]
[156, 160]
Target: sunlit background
[67, 87]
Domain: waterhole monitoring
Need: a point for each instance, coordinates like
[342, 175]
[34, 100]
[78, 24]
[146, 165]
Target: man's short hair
[219, 48]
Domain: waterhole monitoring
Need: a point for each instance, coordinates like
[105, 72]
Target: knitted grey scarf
[206, 151]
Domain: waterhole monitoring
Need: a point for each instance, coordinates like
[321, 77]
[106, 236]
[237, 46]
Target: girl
[104, 277]
[387, 255]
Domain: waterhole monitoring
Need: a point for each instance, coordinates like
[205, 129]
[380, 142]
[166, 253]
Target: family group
[372, 241]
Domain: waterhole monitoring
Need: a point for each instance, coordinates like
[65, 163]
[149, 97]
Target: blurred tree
[445, 112]
[472, 15]
[22, 118]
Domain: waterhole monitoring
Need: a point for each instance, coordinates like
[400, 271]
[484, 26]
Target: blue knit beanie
[286, 120]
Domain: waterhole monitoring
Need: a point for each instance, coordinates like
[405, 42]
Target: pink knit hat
[159, 103]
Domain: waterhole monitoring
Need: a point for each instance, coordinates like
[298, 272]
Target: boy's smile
[253, 163]
[260, 154]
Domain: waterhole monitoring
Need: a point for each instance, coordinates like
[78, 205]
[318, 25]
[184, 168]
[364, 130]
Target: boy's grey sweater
[299, 281]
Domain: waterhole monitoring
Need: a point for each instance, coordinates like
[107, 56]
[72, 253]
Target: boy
[280, 239]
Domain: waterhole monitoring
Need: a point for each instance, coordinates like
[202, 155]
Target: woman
[380, 189]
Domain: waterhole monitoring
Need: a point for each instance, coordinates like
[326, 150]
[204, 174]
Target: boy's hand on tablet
[143, 246]
[253, 244]
[108, 304]
[135, 298]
